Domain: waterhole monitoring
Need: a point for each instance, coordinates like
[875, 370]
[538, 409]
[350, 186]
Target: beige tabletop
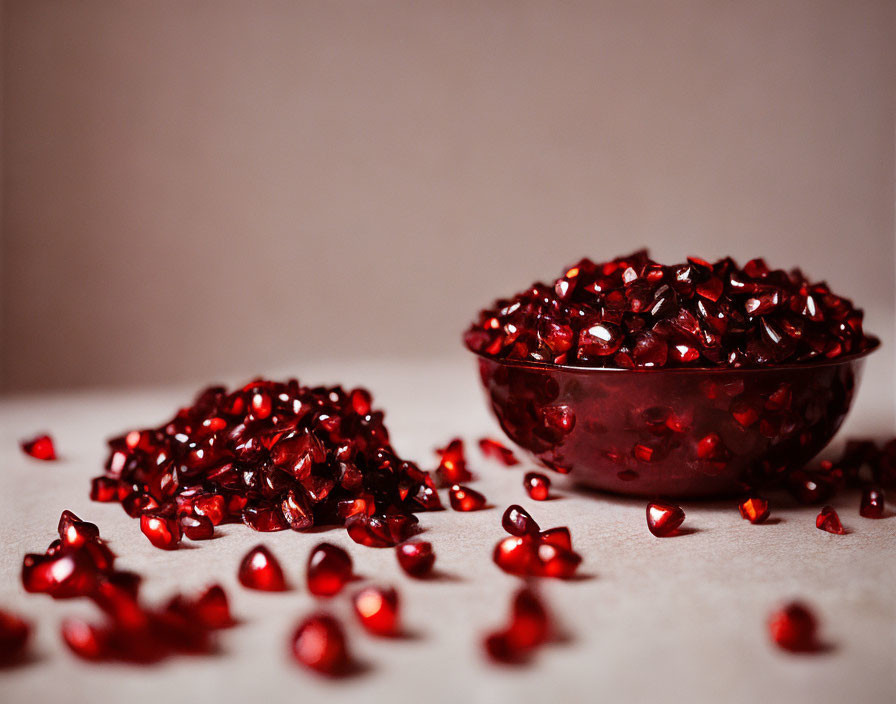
[680, 619]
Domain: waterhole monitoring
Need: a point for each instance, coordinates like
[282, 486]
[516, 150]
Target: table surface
[648, 619]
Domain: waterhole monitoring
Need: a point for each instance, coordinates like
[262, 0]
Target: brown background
[195, 189]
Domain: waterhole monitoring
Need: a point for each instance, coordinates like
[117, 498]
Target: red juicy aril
[794, 628]
[261, 570]
[377, 610]
[329, 570]
[828, 520]
[14, 633]
[416, 557]
[271, 455]
[40, 448]
[463, 498]
[634, 312]
[162, 531]
[529, 628]
[496, 451]
[872, 505]
[663, 520]
[754, 509]
[528, 552]
[452, 467]
[537, 486]
[319, 644]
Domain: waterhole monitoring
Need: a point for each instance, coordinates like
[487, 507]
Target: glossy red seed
[213, 609]
[87, 641]
[872, 505]
[828, 520]
[663, 520]
[196, 527]
[452, 467]
[162, 531]
[73, 532]
[62, 576]
[265, 519]
[516, 555]
[794, 628]
[555, 561]
[261, 570]
[373, 531]
[744, 413]
[377, 610]
[319, 644]
[463, 498]
[496, 451]
[529, 622]
[537, 486]
[754, 509]
[517, 521]
[104, 489]
[212, 506]
[709, 446]
[416, 558]
[329, 570]
[40, 448]
[558, 536]
[14, 633]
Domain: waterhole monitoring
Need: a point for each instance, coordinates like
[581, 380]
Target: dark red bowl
[672, 432]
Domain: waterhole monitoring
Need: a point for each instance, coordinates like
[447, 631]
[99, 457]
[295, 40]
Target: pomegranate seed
[374, 531]
[559, 536]
[73, 532]
[516, 555]
[86, 641]
[529, 622]
[555, 561]
[213, 609]
[794, 628]
[361, 401]
[40, 448]
[62, 576]
[212, 506]
[14, 633]
[329, 570]
[319, 644]
[162, 531]
[537, 486]
[829, 521]
[416, 558]
[663, 520]
[104, 489]
[265, 519]
[296, 511]
[498, 647]
[452, 467]
[872, 503]
[197, 527]
[463, 498]
[377, 610]
[261, 570]
[496, 451]
[754, 509]
[709, 446]
[808, 488]
[517, 521]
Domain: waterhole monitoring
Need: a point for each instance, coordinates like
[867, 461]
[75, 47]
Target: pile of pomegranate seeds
[537, 486]
[754, 509]
[261, 570]
[463, 498]
[794, 628]
[496, 451]
[377, 610]
[529, 628]
[416, 558]
[532, 552]
[664, 520]
[319, 644]
[633, 312]
[40, 448]
[79, 564]
[272, 455]
[14, 634]
[452, 467]
[329, 570]
[829, 521]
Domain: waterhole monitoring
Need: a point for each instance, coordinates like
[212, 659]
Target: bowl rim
[874, 345]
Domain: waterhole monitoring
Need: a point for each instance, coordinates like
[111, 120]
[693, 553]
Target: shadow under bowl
[674, 432]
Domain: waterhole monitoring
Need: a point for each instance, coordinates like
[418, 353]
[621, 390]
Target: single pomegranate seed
[213, 609]
[162, 531]
[794, 628]
[319, 644]
[529, 621]
[377, 610]
[496, 451]
[265, 519]
[517, 521]
[754, 509]
[197, 527]
[537, 485]
[14, 633]
[85, 640]
[361, 401]
[73, 532]
[872, 503]
[829, 521]
[516, 555]
[709, 446]
[745, 414]
[463, 498]
[375, 531]
[212, 506]
[559, 536]
[261, 570]
[104, 489]
[499, 648]
[40, 448]
[62, 576]
[555, 561]
[416, 558]
[453, 464]
[329, 570]
[663, 520]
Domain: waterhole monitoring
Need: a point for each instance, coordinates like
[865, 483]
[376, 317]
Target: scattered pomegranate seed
[545, 554]
[104, 489]
[559, 536]
[85, 640]
[462, 498]
[196, 527]
[537, 486]
[213, 609]
[380, 531]
[497, 451]
[319, 644]
[794, 628]
[162, 531]
[416, 558]
[516, 555]
[377, 610]
[14, 633]
[754, 509]
[329, 570]
[872, 503]
[40, 448]
[663, 520]
[529, 628]
[452, 467]
[829, 521]
[555, 561]
[517, 521]
[74, 532]
[261, 570]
